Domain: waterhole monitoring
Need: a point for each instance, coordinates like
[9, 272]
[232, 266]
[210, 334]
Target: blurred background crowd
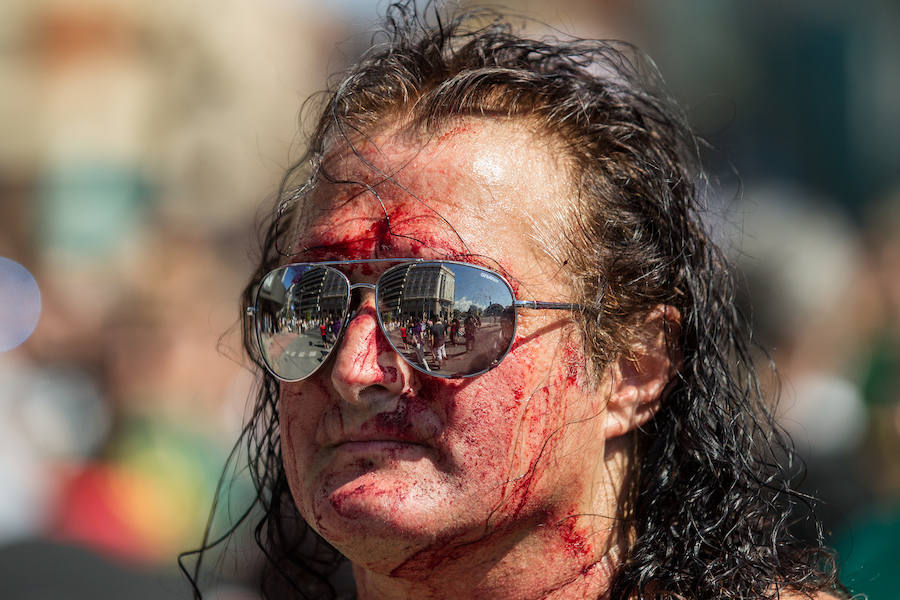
[141, 141]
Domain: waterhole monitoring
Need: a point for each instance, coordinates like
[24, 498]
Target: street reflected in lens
[300, 313]
[447, 319]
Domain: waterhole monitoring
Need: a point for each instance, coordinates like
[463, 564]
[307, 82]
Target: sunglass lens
[300, 310]
[447, 319]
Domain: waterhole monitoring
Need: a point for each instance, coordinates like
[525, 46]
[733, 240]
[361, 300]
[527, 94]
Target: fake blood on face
[401, 232]
[454, 132]
[406, 473]
[575, 543]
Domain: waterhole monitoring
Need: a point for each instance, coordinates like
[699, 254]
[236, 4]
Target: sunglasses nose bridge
[369, 286]
[357, 302]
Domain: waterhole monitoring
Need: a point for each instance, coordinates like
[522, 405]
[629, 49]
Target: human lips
[399, 437]
[381, 434]
[380, 447]
[410, 420]
[387, 431]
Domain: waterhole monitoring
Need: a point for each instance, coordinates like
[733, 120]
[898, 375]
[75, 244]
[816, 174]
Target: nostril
[376, 389]
[376, 397]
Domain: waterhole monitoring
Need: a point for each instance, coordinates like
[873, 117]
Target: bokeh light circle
[20, 304]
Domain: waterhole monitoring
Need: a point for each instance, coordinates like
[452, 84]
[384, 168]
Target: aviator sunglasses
[445, 318]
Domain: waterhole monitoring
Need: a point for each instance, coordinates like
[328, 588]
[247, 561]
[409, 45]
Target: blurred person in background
[616, 443]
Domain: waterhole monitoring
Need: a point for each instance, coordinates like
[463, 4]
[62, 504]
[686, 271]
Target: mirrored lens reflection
[447, 319]
[300, 311]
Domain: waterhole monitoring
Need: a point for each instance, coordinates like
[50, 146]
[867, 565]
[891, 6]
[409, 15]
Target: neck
[558, 559]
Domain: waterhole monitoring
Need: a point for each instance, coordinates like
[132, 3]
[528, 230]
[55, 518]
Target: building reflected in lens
[424, 291]
[320, 292]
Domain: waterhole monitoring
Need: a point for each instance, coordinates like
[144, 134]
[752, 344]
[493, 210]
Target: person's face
[388, 464]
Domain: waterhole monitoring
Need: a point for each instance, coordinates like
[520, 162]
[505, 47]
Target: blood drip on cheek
[518, 394]
[519, 498]
[536, 442]
[572, 541]
[541, 429]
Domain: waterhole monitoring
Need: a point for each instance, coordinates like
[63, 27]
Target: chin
[379, 522]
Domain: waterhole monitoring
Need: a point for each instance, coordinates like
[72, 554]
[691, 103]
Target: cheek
[514, 421]
[501, 425]
[540, 462]
[299, 411]
[498, 435]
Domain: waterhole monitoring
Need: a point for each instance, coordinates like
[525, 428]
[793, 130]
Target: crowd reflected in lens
[300, 310]
[445, 318]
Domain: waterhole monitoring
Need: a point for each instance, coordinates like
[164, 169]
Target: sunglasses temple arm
[536, 305]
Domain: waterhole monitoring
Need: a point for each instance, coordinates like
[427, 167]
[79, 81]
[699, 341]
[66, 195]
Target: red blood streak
[518, 394]
[575, 544]
[401, 232]
[340, 498]
[368, 346]
[453, 133]
[573, 361]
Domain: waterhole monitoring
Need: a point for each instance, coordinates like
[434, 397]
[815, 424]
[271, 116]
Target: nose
[366, 367]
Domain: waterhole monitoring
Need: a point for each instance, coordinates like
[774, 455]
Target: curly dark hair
[710, 511]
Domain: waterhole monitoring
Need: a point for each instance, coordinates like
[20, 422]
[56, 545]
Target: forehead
[476, 188]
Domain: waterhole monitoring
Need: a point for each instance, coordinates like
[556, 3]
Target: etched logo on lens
[488, 276]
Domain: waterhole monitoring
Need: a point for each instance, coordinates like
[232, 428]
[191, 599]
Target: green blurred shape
[88, 208]
[869, 553]
[881, 379]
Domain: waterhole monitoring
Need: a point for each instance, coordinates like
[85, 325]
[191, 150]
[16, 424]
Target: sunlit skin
[504, 485]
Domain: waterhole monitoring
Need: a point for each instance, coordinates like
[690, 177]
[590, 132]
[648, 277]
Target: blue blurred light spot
[20, 304]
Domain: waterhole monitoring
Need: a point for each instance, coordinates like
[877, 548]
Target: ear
[638, 378]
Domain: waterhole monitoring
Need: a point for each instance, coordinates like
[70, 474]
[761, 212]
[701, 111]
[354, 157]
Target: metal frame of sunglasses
[255, 311]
